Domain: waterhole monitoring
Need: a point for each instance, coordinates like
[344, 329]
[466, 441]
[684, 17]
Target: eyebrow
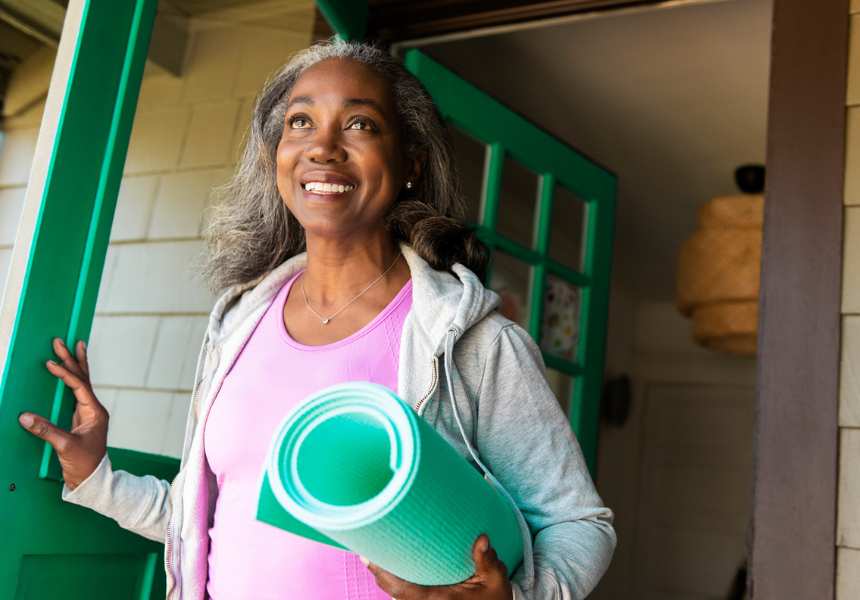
[348, 102]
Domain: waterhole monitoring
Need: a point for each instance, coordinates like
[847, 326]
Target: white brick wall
[152, 310]
[848, 510]
[17, 143]
[17, 154]
[133, 208]
[847, 568]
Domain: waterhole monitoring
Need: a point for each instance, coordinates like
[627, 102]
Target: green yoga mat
[354, 467]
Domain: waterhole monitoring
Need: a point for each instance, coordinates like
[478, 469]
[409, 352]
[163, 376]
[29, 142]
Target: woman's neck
[337, 270]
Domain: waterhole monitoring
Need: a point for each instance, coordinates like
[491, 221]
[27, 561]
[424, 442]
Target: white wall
[848, 511]
[678, 474]
[17, 145]
[152, 309]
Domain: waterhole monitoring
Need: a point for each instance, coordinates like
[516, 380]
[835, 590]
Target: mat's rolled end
[270, 511]
[354, 467]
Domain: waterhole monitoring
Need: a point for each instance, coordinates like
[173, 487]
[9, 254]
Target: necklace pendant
[325, 321]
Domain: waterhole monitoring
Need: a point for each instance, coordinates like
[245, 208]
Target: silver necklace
[325, 320]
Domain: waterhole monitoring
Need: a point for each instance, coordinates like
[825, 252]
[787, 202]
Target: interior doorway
[671, 99]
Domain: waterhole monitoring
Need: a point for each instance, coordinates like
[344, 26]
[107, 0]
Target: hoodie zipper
[432, 385]
[168, 542]
[167, 545]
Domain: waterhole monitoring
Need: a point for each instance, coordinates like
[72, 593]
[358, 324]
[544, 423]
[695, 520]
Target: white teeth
[330, 188]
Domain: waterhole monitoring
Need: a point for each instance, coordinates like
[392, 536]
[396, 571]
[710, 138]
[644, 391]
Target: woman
[340, 256]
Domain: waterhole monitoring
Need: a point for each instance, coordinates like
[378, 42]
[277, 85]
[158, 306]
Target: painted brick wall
[152, 309]
[848, 526]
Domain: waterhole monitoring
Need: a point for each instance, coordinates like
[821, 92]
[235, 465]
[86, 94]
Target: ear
[414, 167]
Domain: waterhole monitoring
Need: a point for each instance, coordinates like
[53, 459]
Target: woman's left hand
[490, 581]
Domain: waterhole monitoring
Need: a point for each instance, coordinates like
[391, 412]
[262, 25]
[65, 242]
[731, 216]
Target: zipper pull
[433, 381]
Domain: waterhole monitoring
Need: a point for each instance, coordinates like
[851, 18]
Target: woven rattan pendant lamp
[719, 266]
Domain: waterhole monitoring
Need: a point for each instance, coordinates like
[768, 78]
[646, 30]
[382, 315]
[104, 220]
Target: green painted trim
[543, 222]
[566, 273]
[58, 296]
[7, 368]
[489, 121]
[109, 180]
[151, 567]
[594, 314]
[348, 18]
[536, 287]
[540, 241]
[143, 463]
[492, 186]
[520, 252]
[559, 364]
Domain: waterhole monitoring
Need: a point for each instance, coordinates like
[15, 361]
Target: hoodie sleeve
[140, 504]
[525, 439]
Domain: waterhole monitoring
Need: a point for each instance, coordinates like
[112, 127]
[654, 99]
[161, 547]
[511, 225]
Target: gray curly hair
[249, 229]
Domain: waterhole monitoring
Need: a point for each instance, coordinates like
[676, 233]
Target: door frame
[796, 430]
[793, 537]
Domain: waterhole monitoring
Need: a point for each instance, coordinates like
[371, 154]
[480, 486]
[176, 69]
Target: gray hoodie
[475, 376]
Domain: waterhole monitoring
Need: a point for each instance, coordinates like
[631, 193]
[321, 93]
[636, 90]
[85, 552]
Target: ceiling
[670, 99]
[27, 27]
[292, 15]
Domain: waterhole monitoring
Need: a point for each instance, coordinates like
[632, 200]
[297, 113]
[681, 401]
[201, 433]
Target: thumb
[485, 558]
[44, 429]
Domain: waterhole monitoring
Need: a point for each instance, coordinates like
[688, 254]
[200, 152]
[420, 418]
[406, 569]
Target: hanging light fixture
[719, 266]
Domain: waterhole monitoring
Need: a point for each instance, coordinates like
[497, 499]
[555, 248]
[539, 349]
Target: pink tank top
[273, 373]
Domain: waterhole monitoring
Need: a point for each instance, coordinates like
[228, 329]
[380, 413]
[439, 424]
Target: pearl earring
[408, 185]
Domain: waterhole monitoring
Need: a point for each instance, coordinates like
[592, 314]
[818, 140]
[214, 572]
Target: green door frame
[54, 548]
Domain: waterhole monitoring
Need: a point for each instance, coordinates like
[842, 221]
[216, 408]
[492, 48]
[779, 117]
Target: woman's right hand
[80, 450]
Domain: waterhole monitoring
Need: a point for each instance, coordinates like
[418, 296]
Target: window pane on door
[560, 324]
[517, 203]
[510, 277]
[567, 228]
[562, 386]
[469, 158]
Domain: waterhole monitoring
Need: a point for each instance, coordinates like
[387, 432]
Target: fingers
[68, 361]
[80, 388]
[44, 429]
[81, 351]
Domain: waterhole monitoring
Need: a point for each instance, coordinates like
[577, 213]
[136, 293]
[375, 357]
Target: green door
[50, 548]
[547, 214]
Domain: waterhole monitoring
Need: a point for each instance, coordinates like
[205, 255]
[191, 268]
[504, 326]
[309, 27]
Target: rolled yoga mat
[354, 467]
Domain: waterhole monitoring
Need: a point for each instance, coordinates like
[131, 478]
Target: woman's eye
[298, 122]
[363, 124]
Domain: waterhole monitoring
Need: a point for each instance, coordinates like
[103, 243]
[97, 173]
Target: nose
[326, 146]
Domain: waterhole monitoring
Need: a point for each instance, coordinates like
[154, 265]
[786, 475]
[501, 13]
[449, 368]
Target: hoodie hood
[442, 301]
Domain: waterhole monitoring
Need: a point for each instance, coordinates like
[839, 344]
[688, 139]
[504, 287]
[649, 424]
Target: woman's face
[339, 160]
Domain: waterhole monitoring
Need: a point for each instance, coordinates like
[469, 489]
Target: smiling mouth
[318, 187]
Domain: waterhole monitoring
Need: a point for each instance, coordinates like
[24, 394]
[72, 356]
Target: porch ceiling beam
[396, 20]
[43, 20]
